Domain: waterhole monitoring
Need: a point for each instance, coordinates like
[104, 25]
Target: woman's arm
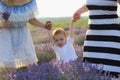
[36, 22]
[118, 1]
[76, 15]
[71, 30]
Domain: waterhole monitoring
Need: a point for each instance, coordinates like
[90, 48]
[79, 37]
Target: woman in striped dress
[102, 44]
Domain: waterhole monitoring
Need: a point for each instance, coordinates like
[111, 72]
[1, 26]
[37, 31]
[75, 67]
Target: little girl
[63, 45]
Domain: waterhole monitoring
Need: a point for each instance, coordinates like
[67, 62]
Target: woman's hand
[48, 25]
[76, 16]
[118, 1]
[4, 24]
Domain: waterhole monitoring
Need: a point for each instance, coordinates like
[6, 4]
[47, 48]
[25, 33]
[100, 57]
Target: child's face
[60, 40]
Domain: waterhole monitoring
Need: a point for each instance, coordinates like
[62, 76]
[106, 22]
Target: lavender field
[49, 68]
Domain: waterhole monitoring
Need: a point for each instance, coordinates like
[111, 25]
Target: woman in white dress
[16, 46]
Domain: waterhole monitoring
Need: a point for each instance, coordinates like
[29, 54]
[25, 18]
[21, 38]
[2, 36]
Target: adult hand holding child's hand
[48, 25]
[76, 16]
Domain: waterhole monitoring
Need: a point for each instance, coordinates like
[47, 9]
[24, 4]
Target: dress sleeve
[21, 13]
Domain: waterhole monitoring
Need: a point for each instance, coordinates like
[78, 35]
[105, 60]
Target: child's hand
[72, 21]
[48, 25]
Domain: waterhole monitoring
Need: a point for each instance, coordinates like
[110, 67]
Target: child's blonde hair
[58, 31]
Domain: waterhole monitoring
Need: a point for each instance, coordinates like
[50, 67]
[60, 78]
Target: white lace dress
[16, 46]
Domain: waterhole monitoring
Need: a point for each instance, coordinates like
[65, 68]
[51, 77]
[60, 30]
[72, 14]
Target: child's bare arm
[49, 30]
[50, 36]
[71, 30]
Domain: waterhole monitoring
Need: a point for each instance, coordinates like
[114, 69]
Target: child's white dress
[16, 46]
[67, 52]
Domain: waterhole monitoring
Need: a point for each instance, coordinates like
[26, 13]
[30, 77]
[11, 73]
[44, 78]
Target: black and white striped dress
[102, 44]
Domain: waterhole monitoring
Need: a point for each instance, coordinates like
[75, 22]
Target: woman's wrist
[1, 24]
[41, 25]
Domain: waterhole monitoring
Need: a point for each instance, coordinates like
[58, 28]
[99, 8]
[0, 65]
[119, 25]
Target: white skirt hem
[18, 64]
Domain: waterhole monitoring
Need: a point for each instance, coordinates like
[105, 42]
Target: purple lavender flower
[6, 15]
[49, 71]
